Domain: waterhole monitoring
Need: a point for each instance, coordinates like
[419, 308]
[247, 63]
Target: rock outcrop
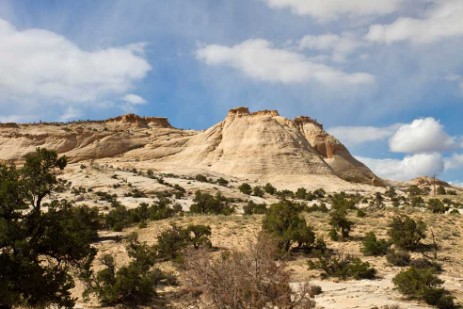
[244, 144]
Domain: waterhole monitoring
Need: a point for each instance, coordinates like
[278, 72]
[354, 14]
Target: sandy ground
[234, 232]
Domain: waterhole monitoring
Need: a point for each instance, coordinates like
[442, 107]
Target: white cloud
[357, 135]
[331, 9]
[422, 135]
[424, 164]
[340, 45]
[455, 161]
[70, 113]
[42, 66]
[133, 99]
[259, 60]
[444, 19]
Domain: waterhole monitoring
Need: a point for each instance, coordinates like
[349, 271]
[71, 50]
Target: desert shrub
[283, 222]
[398, 258]
[117, 219]
[206, 203]
[406, 233]
[257, 191]
[173, 241]
[423, 284]
[423, 263]
[133, 284]
[373, 246]
[268, 188]
[284, 194]
[378, 201]
[222, 182]
[390, 192]
[414, 190]
[441, 190]
[315, 207]
[245, 188]
[247, 279]
[319, 193]
[252, 208]
[416, 201]
[201, 178]
[437, 206]
[361, 213]
[342, 266]
[135, 193]
[339, 223]
[301, 193]
[105, 196]
[162, 209]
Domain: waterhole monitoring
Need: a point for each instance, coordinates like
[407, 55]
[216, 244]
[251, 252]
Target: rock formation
[244, 144]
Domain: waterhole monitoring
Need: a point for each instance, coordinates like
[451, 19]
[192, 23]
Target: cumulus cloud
[259, 60]
[422, 135]
[133, 99]
[444, 19]
[423, 164]
[455, 161]
[332, 9]
[42, 66]
[339, 45]
[357, 135]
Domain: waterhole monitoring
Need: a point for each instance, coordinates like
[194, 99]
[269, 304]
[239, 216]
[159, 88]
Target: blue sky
[385, 76]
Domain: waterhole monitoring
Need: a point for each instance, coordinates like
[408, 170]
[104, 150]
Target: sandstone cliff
[244, 144]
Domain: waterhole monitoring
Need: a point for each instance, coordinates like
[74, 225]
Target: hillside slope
[244, 144]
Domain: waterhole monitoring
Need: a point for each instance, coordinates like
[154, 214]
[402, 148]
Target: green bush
[245, 188]
[41, 250]
[257, 191]
[398, 258]
[284, 223]
[268, 188]
[441, 190]
[343, 267]
[422, 263]
[339, 222]
[284, 194]
[436, 206]
[414, 190]
[222, 182]
[172, 242]
[423, 284]
[373, 246]
[201, 178]
[206, 203]
[406, 233]
[252, 208]
[361, 213]
[133, 284]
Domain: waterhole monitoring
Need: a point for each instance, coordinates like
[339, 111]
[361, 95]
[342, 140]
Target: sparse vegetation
[406, 233]
[423, 284]
[373, 246]
[133, 284]
[206, 203]
[245, 188]
[342, 266]
[249, 279]
[283, 221]
[172, 242]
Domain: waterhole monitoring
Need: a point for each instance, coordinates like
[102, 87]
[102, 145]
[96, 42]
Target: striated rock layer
[244, 144]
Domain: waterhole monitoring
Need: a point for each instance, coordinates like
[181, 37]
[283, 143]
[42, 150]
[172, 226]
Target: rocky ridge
[245, 144]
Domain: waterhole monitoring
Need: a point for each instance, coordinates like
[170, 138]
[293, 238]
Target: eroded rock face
[335, 153]
[244, 144]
